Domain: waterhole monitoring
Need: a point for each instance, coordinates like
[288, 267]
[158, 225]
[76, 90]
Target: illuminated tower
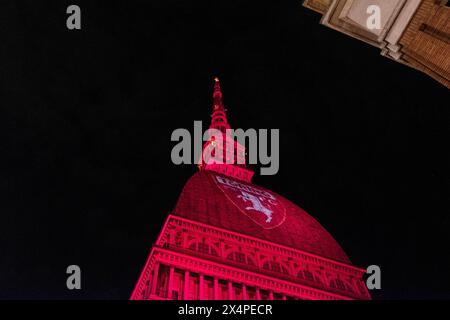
[230, 239]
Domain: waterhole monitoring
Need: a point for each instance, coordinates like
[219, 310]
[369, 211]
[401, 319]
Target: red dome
[226, 203]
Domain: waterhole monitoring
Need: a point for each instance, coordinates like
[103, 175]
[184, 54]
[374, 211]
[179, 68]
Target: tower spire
[225, 156]
[219, 117]
[217, 96]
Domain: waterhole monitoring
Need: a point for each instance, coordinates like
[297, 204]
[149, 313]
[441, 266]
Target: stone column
[230, 290]
[216, 289]
[170, 285]
[201, 287]
[221, 253]
[186, 285]
[244, 292]
[258, 261]
[155, 277]
[258, 294]
[185, 236]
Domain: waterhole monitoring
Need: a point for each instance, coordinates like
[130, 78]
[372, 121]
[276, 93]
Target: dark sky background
[86, 118]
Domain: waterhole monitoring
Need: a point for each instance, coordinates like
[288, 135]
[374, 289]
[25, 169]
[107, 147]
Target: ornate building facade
[415, 33]
[229, 239]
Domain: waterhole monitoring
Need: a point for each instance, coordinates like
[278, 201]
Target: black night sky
[86, 118]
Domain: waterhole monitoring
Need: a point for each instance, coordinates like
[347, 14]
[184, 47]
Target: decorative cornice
[206, 267]
[263, 244]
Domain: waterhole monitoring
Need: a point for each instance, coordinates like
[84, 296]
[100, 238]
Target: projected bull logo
[258, 204]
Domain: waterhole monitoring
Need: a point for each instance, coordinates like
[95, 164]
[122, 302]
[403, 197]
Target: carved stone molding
[185, 237]
[206, 267]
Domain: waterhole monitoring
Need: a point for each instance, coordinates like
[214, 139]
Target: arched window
[308, 275]
[275, 266]
[240, 257]
[340, 285]
[203, 247]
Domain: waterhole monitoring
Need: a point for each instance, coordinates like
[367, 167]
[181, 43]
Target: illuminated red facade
[229, 239]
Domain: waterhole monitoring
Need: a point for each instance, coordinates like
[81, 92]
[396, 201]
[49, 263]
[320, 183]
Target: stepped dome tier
[203, 199]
